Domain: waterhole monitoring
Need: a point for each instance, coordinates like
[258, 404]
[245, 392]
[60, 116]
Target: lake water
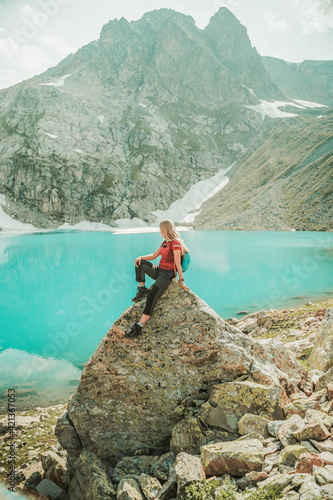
[61, 292]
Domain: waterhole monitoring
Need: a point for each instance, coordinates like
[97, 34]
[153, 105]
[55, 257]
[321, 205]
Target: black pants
[163, 279]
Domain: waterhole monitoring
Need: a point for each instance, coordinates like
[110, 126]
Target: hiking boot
[135, 331]
[141, 293]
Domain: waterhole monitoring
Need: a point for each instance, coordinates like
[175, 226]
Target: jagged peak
[225, 15]
[159, 16]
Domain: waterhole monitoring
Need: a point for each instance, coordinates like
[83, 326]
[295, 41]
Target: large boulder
[322, 353]
[130, 388]
[235, 457]
[230, 401]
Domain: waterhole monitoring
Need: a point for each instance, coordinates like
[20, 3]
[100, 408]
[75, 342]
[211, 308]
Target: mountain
[129, 122]
[283, 181]
[309, 80]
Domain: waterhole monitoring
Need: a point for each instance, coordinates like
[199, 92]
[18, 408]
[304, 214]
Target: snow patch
[101, 118]
[190, 217]
[320, 116]
[78, 150]
[86, 226]
[270, 109]
[194, 198]
[58, 83]
[51, 135]
[8, 224]
[142, 105]
[309, 104]
[237, 147]
[250, 90]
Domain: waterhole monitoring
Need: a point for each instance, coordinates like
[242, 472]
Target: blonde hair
[169, 233]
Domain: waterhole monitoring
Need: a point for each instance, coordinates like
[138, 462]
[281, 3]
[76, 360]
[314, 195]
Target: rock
[309, 490]
[323, 445]
[324, 379]
[329, 389]
[277, 482]
[314, 430]
[50, 489]
[272, 448]
[33, 480]
[188, 469]
[251, 435]
[326, 492]
[169, 489]
[129, 489]
[247, 325]
[322, 475]
[274, 426]
[286, 431]
[306, 461]
[187, 436]
[55, 468]
[137, 465]
[161, 468]
[253, 423]
[322, 353]
[68, 438]
[255, 477]
[150, 486]
[130, 387]
[232, 400]
[291, 495]
[235, 457]
[290, 454]
[300, 404]
[327, 457]
[90, 480]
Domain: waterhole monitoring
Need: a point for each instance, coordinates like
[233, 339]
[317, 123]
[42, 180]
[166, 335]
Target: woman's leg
[156, 290]
[145, 267]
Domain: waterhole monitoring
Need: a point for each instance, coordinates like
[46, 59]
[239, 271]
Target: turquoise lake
[61, 292]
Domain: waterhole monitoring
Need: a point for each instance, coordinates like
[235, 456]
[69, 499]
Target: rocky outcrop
[128, 398]
[322, 353]
[309, 80]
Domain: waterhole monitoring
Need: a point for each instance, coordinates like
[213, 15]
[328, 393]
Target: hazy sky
[37, 34]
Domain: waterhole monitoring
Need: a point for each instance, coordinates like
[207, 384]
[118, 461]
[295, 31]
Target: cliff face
[283, 181]
[309, 80]
[106, 133]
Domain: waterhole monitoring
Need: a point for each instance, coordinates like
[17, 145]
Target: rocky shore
[192, 402]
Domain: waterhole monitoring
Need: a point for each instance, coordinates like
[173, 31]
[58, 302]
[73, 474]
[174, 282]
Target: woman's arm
[148, 257]
[177, 254]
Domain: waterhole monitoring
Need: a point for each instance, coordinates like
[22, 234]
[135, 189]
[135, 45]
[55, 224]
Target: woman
[170, 251]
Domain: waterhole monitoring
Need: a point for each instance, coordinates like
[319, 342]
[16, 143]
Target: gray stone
[188, 469]
[90, 480]
[322, 353]
[49, 489]
[129, 489]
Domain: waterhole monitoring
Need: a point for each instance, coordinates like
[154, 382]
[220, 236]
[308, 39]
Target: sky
[38, 34]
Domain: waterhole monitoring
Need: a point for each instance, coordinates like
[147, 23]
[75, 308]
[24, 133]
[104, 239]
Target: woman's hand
[183, 285]
[137, 261]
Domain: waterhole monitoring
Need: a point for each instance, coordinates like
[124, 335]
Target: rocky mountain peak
[232, 45]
